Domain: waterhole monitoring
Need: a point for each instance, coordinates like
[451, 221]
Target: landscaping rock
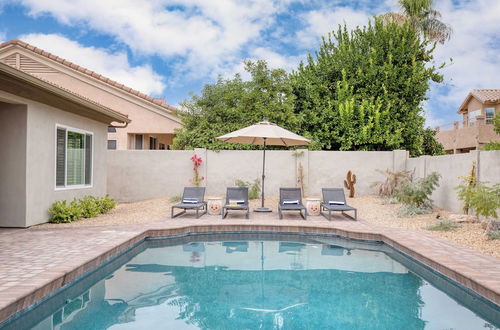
[462, 218]
[492, 225]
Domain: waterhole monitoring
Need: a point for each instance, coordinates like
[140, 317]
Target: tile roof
[121, 116]
[158, 101]
[486, 95]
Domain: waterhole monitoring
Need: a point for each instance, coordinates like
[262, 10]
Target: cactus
[349, 183]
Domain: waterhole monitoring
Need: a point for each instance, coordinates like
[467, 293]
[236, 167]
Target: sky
[171, 48]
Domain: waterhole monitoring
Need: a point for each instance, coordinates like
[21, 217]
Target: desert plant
[417, 193]
[443, 225]
[466, 190]
[411, 210]
[106, 204]
[300, 170]
[91, 206]
[61, 211]
[175, 199]
[349, 183]
[388, 187]
[494, 234]
[253, 188]
[197, 179]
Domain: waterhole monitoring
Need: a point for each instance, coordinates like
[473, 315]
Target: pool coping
[467, 273]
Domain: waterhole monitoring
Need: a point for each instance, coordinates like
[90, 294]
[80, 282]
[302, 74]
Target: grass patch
[410, 211]
[443, 225]
[494, 234]
[175, 199]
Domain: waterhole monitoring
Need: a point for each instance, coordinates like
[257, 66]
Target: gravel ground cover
[370, 210]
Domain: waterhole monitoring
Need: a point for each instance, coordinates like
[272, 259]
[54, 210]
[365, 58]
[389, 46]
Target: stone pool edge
[462, 273]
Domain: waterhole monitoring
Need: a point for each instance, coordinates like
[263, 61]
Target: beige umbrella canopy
[264, 133]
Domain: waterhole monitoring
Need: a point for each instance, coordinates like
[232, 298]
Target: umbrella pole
[262, 208]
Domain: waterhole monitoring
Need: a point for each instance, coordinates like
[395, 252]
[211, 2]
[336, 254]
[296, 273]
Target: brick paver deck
[35, 262]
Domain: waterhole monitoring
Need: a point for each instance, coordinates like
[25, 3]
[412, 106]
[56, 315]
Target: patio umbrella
[264, 133]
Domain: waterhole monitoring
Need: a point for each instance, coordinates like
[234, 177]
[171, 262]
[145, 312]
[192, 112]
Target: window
[112, 144]
[490, 113]
[472, 116]
[111, 129]
[73, 157]
[138, 141]
[152, 143]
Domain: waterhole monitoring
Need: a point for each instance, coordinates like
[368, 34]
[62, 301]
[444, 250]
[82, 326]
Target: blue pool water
[260, 283]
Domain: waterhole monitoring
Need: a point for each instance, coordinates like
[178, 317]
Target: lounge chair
[236, 199]
[334, 200]
[291, 200]
[193, 198]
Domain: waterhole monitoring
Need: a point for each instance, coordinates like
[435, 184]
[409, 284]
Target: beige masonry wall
[451, 168]
[139, 174]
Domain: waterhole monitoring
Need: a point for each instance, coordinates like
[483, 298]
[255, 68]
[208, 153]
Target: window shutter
[60, 157]
[88, 159]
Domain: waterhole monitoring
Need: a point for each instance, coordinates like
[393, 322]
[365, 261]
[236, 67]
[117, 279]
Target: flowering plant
[196, 180]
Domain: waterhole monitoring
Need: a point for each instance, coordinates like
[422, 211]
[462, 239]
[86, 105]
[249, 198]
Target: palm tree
[422, 17]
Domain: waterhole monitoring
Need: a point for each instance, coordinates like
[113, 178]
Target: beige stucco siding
[13, 121]
[144, 121]
[39, 150]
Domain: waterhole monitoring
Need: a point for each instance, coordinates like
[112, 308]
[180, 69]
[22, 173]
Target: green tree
[363, 90]
[430, 145]
[421, 16]
[494, 145]
[231, 104]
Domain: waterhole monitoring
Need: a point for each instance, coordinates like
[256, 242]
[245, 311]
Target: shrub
[417, 193]
[494, 234]
[253, 188]
[388, 187]
[106, 204]
[175, 199]
[63, 212]
[492, 145]
[443, 225]
[483, 199]
[466, 189]
[87, 207]
[90, 206]
[410, 210]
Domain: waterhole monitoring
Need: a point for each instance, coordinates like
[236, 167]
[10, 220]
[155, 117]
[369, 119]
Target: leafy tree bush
[417, 193]
[483, 199]
[87, 207]
[431, 146]
[62, 212]
[363, 90]
[90, 206]
[231, 104]
[494, 145]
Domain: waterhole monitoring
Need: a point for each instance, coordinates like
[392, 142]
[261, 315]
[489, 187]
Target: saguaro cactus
[349, 183]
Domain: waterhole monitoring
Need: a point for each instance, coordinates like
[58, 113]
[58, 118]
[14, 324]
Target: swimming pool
[268, 281]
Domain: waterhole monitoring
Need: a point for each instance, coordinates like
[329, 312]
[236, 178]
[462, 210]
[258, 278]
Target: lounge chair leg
[248, 214]
[176, 215]
[355, 214]
[197, 214]
[329, 215]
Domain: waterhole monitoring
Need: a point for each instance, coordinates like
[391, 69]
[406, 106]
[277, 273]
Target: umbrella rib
[253, 141]
[284, 142]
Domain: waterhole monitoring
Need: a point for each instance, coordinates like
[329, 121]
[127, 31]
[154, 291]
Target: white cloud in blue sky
[169, 48]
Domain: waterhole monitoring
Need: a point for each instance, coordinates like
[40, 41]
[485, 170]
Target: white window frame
[80, 186]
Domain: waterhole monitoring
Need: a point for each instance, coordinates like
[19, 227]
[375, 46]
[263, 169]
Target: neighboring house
[477, 110]
[153, 121]
[53, 146]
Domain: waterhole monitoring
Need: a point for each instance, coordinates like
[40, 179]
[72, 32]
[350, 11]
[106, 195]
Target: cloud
[475, 49]
[206, 34]
[112, 65]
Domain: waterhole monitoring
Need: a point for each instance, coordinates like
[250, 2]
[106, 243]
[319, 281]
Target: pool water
[287, 283]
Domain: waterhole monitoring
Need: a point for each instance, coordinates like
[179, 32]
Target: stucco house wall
[149, 116]
[29, 128]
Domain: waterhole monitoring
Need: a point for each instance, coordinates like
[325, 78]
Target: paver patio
[36, 262]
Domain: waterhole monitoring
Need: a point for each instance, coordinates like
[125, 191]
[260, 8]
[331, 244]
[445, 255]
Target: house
[477, 110]
[53, 146]
[153, 121]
